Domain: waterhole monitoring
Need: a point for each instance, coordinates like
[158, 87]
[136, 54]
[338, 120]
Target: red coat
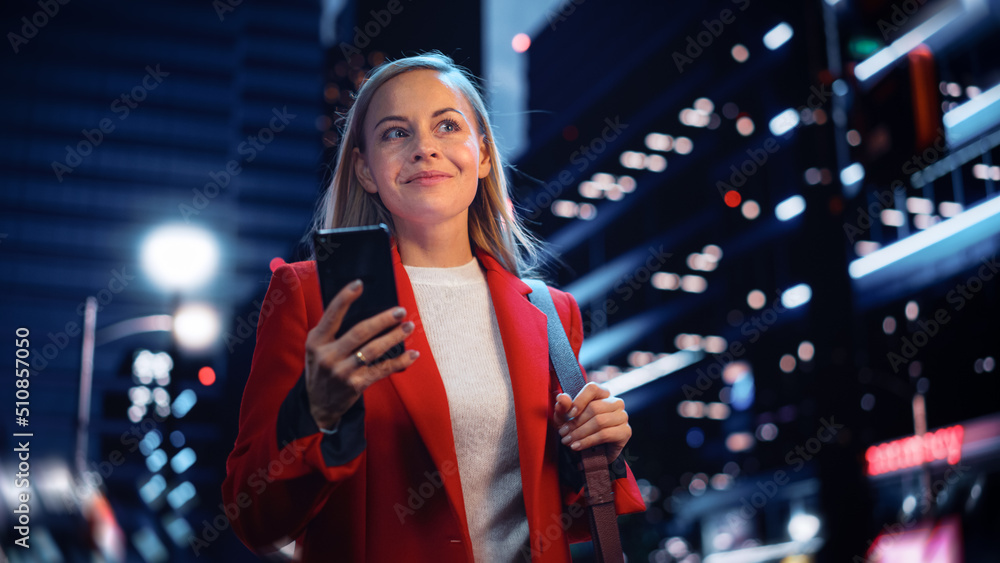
[399, 497]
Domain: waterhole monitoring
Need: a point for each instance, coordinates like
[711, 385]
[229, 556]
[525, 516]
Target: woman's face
[423, 153]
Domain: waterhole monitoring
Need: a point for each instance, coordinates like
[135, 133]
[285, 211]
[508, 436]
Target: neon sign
[945, 444]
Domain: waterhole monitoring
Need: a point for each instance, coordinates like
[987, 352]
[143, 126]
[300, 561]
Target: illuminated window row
[606, 186]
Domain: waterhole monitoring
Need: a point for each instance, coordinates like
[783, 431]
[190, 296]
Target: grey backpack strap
[560, 351]
[600, 493]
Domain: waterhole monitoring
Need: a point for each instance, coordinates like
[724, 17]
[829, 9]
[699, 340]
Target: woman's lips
[429, 179]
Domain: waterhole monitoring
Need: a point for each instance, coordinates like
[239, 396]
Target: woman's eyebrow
[400, 118]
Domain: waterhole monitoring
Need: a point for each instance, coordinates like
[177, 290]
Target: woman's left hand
[593, 417]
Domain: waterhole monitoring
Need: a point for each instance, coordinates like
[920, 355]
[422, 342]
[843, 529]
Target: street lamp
[177, 258]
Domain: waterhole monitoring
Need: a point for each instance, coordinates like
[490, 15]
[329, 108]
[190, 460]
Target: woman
[454, 451]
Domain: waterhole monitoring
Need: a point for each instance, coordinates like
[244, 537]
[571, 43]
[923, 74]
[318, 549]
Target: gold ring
[360, 358]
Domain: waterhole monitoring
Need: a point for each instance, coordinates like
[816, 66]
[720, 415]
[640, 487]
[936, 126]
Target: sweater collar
[491, 264]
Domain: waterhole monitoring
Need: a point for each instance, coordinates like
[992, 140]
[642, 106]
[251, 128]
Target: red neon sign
[945, 443]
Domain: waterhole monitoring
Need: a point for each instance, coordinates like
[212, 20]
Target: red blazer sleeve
[282, 469]
[628, 499]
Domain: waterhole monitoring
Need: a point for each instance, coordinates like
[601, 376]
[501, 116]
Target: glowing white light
[633, 159]
[179, 258]
[803, 527]
[659, 142]
[715, 344]
[150, 442]
[949, 208]
[740, 53]
[665, 365]
[900, 47]
[852, 174]
[986, 105]
[656, 163]
[591, 190]
[627, 183]
[796, 296]
[183, 403]
[196, 326]
[750, 209]
[182, 460]
[892, 217]
[923, 239]
[787, 363]
[693, 284]
[790, 208]
[136, 412]
[778, 36]
[866, 247]
[718, 411]
[140, 395]
[806, 351]
[783, 122]
[667, 281]
[153, 488]
[564, 208]
[683, 145]
[156, 460]
[181, 495]
[919, 205]
[739, 441]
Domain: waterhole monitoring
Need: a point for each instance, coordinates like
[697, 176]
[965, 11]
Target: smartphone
[365, 253]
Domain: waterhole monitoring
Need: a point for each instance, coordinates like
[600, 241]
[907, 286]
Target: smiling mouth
[429, 178]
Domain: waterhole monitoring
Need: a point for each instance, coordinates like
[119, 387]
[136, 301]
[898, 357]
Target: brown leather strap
[600, 500]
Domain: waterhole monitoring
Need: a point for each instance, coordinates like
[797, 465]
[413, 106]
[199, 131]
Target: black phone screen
[365, 253]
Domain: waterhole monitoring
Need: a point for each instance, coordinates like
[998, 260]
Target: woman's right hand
[335, 376]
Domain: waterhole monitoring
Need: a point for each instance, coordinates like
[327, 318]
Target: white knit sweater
[461, 326]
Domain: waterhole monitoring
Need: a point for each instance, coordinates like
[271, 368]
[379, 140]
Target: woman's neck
[434, 246]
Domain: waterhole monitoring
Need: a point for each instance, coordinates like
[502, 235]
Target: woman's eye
[449, 126]
[394, 133]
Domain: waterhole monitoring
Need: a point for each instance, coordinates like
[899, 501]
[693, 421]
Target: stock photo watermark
[248, 151]
[625, 288]
[957, 297]
[753, 329]
[33, 24]
[581, 159]
[121, 106]
[698, 43]
[364, 34]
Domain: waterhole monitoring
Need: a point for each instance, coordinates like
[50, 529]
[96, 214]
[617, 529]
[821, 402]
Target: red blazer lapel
[422, 392]
[525, 341]
[526, 346]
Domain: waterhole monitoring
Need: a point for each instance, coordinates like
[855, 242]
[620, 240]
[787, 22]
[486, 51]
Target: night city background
[780, 221]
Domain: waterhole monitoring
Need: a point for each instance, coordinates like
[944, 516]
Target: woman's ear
[485, 162]
[362, 171]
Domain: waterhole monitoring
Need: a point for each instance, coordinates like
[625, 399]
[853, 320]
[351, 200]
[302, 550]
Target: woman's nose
[425, 146]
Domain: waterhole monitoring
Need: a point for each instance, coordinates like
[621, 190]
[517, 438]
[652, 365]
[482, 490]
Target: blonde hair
[493, 224]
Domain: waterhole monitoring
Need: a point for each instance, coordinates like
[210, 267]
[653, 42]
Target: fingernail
[564, 430]
[414, 354]
[576, 445]
[408, 327]
[398, 313]
[567, 440]
[572, 411]
[355, 285]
